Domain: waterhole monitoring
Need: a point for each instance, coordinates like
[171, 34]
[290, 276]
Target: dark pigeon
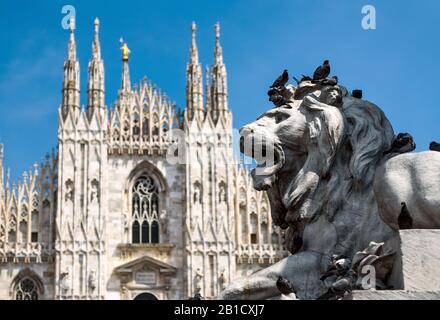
[197, 296]
[339, 265]
[339, 288]
[281, 80]
[304, 78]
[284, 286]
[405, 221]
[434, 146]
[322, 71]
[357, 93]
[330, 81]
[403, 143]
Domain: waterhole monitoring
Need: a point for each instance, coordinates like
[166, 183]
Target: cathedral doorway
[145, 296]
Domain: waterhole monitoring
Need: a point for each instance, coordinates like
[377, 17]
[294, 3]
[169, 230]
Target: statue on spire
[218, 52]
[217, 31]
[72, 25]
[125, 50]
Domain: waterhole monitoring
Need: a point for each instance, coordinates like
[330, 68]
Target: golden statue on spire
[125, 50]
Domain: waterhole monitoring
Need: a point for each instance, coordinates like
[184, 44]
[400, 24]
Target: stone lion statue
[329, 182]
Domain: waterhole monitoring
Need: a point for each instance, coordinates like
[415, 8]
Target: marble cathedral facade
[107, 216]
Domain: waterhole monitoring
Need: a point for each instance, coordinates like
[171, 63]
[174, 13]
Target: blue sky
[395, 65]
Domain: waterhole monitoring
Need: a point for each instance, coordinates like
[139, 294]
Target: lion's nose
[245, 130]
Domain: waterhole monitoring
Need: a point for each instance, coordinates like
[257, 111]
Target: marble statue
[92, 280]
[198, 279]
[332, 185]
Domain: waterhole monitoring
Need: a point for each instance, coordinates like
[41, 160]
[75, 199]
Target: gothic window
[23, 232]
[264, 232]
[145, 208]
[26, 289]
[244, 224]
[136, 232]
[145, 128]
[136, 129]
[156, 125]
[254, 228]
[34, 225]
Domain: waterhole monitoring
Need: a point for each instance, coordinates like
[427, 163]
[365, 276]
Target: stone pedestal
[416, 271]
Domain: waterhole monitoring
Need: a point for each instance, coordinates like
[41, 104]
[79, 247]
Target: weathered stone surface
[420, 260]
[412, 178]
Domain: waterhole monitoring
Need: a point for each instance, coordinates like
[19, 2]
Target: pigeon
[340, 287]
[322, 71]
[403, 143]
[339, 266]
[356, 93]
[197, 296]
[284, 286]
[434, 146]
[281, 80]
[276, 97]
[405, 221]
[330, 81]
[304, 78]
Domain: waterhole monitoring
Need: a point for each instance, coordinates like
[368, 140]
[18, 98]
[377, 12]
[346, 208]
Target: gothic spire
[72, 44]
[71, 81]
[207, 89]
[219, 87]
[95, 85]
[194, 80]
[96, 44]
[218, 52]
[126, 83]
[194, 52]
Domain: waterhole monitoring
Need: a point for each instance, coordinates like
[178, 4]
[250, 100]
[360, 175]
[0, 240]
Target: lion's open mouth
[268, 155]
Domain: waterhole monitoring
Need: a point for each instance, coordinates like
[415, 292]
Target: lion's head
[312, 155]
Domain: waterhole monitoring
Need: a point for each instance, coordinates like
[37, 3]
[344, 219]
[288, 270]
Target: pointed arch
[146, 189]
[26, 285]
